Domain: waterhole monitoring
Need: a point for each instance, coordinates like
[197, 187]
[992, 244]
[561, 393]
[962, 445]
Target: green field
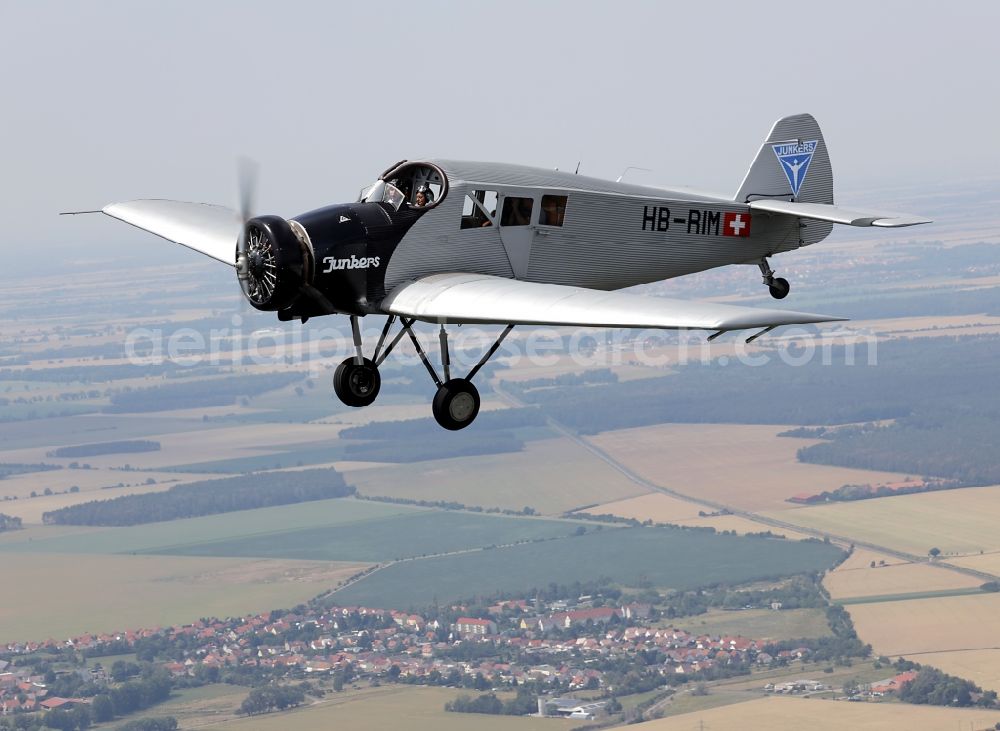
[768, 624]
[325, 514]
[416, 533]
[663, 557]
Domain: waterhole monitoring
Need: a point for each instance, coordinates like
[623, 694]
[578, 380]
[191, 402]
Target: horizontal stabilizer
[483, 299]
[837, 214]
[208, 229]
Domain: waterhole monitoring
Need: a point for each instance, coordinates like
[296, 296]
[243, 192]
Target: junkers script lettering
[355, 262]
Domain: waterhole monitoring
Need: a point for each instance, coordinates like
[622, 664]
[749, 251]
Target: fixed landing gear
[456, 402]
[357, 381]
[778, 286]
[357, 384]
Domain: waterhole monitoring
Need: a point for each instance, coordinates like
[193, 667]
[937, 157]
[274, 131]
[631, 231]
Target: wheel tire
[780, 288]
[357, 385]
[456, 404]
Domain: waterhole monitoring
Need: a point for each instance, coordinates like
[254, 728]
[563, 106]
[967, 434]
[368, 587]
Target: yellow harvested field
[746, 466]
[852, 581]
[960, 521]
[662, 508]
[21, 486]
[863, 557]
[982, 667]
[197, 445]
[931, 326]
[783, 713]
[653, 506]
[988, 562]
[550, 475]
[936, 624]
[390, 708]
[30, 510]
[60, 595]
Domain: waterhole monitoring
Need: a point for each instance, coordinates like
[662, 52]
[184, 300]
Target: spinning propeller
[256, 261]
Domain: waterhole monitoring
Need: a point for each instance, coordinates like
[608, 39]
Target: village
[562, 648]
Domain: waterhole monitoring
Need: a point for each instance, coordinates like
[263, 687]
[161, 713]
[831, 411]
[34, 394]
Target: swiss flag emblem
[736, 224]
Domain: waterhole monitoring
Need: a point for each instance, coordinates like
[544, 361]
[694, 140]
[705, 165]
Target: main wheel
[779, 288]
[456, 404]
[357, 385]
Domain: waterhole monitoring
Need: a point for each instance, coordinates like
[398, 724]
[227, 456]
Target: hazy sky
[107, 101]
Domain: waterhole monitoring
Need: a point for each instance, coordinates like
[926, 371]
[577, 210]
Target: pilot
[424, 197]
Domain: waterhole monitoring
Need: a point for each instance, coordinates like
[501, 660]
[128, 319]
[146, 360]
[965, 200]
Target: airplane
[452, 242]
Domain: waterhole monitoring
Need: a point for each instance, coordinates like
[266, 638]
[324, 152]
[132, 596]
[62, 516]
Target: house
[893, 684]
[469, 626]
[597, 615]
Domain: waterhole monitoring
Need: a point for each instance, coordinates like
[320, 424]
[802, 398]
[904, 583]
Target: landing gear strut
[357, 381]
[778, 286]
[456, 403]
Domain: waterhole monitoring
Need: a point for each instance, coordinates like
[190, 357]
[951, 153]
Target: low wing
[210, 230]
[478, 298]
[837, 214]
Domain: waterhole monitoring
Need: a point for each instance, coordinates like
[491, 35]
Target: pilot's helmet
[428, 195]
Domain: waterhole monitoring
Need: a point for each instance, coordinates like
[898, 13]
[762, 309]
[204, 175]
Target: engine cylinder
[277, 264]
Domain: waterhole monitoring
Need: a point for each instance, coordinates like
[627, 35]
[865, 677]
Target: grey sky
[116, 100]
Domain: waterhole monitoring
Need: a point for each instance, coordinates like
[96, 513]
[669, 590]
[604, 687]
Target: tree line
[192, 394]
[9, 522]
[209, 497]
[92, 450]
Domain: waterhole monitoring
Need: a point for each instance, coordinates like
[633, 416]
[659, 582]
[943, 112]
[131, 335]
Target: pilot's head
[423, 197]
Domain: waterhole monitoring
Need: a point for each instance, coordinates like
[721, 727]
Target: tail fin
[792, 164]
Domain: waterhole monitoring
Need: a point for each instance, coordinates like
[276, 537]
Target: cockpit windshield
[382, 192]
[413, 184]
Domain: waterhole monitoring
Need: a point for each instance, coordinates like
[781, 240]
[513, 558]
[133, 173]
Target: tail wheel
[357, 385]
[456, 404]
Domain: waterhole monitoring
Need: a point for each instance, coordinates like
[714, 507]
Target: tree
[934, 552]
[101, 708]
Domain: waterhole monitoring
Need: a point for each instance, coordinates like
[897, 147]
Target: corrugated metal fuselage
[613, 235]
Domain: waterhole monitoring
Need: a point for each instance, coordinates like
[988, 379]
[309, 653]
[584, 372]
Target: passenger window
[516, 211]
[479, 209]
[553, 210]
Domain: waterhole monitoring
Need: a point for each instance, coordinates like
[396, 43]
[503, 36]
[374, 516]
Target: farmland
[572, 477]
[929, 631]
[400, 536]
[929, 625]
[632, 556]
[893, 578]
[161, 536]
[766, 714]
[392, 707]
[955, 521]
[755, 470]
[109, 593]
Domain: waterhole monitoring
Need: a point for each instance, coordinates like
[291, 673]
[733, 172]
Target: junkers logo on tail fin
[795, 158]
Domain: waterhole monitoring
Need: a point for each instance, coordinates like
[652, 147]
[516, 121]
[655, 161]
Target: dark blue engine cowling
[351, 245]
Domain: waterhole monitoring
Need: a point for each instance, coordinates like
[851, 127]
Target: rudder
[792, 164]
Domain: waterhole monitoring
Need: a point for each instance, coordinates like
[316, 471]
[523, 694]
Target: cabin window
[553, 210]
[479, 209]
[516, 211]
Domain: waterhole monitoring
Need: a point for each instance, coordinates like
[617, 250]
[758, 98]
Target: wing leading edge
[208, 229]
[482, 299]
